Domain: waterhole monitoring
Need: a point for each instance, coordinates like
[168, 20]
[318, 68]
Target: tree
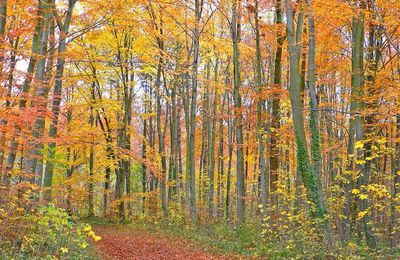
[240, 185]
[311, 181]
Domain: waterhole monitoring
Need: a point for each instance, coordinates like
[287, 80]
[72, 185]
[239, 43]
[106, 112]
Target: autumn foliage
[279, 115]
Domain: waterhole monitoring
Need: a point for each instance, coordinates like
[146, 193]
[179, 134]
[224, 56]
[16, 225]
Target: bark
[9, 85]
[204, 148]
[394, 214]
[173, 163]
[105, 127]
[316, 158]
[161, 145]
[91, 159]
[311, 182]
[120, 172]
[35, 145]
[374, 56]
[211, 144]
[229, 172]
[220, 160]
[144, 157]
[240, 179]
[3, 21]
[57, 91]
[260, 110]
[48, 76]
[275, 123]
[192, 112]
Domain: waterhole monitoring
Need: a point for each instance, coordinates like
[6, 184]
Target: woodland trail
[130, 243]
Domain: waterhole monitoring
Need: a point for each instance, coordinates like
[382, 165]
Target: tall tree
[240, 179]
[57, 91]
[311, 181]
[260, 109]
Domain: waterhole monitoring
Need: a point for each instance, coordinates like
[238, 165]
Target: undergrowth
[301, 241]
[32, 229]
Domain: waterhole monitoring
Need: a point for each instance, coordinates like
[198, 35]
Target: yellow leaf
[355, 191]
[381, 141]
[87, 228]
[360, 162]
[359, 145]
[363, 196]
[361, 214]
[64, 250]
[352, 245]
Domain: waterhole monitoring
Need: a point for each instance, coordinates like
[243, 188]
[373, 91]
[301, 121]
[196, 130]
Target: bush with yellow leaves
[30, 229]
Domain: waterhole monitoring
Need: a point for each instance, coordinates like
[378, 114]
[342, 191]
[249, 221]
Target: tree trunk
[316, 158]
[311, 182]
[229, 172]
[91, 160]
[3, 20]
[34, 146]
[240, 179]
[220, 160]
[161, 146]
[211, 144]
[9, 84]
[48, 176]
[275, 123]
[260, 110]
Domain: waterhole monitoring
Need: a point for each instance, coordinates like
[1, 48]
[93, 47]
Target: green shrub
[29, 230]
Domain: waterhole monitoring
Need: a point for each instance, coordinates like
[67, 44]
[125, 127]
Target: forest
[250, 129]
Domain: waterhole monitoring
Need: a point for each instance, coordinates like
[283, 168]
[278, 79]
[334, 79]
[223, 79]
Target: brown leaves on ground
[128, 243]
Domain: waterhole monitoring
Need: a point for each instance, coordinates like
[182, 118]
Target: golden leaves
[361, 214]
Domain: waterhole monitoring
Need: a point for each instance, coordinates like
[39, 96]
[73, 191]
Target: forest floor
[122, 242]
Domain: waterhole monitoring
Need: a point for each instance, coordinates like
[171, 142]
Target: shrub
[33, 230]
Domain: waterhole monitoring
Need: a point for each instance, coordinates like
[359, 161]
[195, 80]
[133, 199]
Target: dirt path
[126, 243]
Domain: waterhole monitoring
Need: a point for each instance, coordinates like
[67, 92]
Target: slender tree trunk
[161, 146]
[192, 112]
[9, 84]
[394, 214]
[3, 20]
[173, 153]
[35, 146]
[275, 120]
[48, 176]
[260, 110]
[229, 172]
[179, 156]
[144, 158]
[220, 160]
[91, 161]
[120, 180]
[204, 148]
[316, 158]
[47, 78]
[107, 181]
[311, 182]
[211, 145]
[374, 57]
[240, 179]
